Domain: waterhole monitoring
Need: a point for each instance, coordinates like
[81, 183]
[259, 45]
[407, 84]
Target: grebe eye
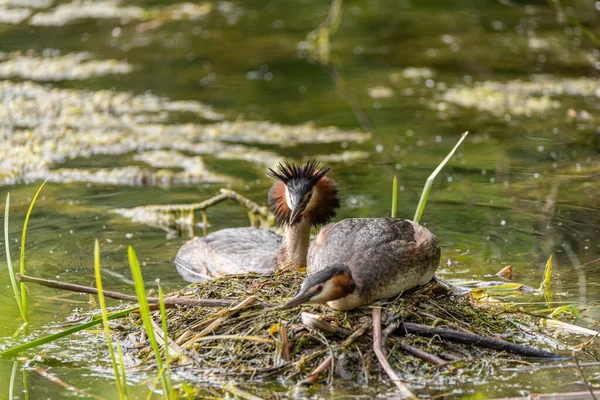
[319, 288]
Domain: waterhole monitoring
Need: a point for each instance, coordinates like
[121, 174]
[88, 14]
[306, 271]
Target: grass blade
[394, 196]
[102, 302]
[50, 338]
[140, 290]
[429, 182]
[545, 286]
[547, 275]
[11, 385]
[13, 281]
[163, 319]
[123, 376]
[24, 236]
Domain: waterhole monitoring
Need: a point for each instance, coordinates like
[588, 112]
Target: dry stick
[405, 393]
[430, 358]
[285, 346]
[585, 382]
[216, 323]
[476, 340]
[169, 301]
[175, 350]
[224, 195]
[312, 378]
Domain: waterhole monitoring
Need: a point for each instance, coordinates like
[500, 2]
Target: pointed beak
[300, 298]
[297, 210]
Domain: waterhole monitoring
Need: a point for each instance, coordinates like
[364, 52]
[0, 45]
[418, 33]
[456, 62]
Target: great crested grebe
[303, 196]
[358, 261]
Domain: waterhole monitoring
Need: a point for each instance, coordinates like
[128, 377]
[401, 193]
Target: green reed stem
[11, 272]
[22, 261]
[122, 365]
[50, 338]
[429, 182]
[140, 290]
[163, 319]
[102, 302]
[394, 196]
[11, 386]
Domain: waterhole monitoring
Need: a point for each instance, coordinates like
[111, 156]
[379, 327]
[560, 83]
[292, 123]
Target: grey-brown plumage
[302, 197]
[228, 251]
[360, 260]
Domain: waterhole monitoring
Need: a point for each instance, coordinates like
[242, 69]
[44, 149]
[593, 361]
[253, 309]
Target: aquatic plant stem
[11, 273]
[11, 385]
[583, 378]
[102, 302]
[394, 196]
[429, 182]
[22, 260]
[163, 319]
[545, 285]
[50, 338]
[140, 290]
[122, 367]
[405, 392]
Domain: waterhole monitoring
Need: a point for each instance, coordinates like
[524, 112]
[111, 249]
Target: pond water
[521, 76]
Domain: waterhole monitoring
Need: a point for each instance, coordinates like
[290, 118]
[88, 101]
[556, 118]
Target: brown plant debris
[245, 341]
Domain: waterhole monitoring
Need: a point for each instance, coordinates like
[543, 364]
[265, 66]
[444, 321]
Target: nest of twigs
[256, 340]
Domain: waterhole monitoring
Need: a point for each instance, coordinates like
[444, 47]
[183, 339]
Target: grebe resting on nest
[358, 261]
[303, 196]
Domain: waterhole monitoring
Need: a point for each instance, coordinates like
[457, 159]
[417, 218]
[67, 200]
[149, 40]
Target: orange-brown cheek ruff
[343, 285]
[278, 203]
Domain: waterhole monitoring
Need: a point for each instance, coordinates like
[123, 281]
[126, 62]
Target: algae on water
[43, 127]
[51, 66]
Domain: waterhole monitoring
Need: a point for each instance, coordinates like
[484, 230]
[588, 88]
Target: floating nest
[254, 340]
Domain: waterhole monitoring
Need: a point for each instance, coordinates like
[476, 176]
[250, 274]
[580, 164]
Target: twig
[158, 334]
[312, 378]
[285, 346]
[355, 335]
[169, 301]
[430, 358]
[314, 322]
[217, 322]
[405, 393]
[585, 382]
[476, 340]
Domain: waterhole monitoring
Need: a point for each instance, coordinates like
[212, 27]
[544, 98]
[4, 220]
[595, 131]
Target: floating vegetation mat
[51, 66]
[520, 97]
[252, 340]
[42, 127]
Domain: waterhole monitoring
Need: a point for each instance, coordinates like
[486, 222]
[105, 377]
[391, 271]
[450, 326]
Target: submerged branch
[475, 340]
[169, 301]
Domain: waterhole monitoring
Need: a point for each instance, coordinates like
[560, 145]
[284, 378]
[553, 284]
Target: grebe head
[332, 283]
[303, 191]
